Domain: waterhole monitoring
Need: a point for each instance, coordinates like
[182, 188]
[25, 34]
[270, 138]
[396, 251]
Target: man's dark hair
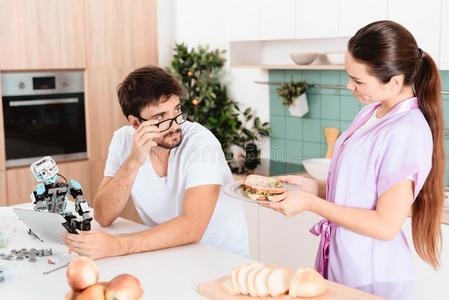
[145, 86]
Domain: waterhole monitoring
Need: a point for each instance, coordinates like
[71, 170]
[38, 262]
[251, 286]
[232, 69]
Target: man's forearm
[111, 199]
[176, 232]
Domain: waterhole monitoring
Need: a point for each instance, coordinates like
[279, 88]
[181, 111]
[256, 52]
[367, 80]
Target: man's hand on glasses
[143, 140]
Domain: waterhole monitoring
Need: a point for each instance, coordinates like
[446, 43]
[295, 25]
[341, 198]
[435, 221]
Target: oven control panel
[40, 83]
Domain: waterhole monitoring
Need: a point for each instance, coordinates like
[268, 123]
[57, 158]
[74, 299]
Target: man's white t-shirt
[198, 160]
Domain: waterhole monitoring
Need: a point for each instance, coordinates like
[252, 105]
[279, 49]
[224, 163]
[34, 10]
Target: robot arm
[81, 205]
[38, 197]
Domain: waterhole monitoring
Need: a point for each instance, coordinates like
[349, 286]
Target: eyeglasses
[166, 124]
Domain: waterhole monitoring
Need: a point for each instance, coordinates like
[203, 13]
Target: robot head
[45, 170]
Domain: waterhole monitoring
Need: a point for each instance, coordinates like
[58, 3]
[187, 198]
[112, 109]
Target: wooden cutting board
[335, 291]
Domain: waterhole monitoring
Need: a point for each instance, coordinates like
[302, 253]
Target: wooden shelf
[292, 67]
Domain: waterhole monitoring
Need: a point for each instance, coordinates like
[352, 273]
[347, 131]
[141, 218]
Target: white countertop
[166, 274]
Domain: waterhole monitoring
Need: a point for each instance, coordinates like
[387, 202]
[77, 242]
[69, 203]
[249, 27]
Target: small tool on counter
[331, 135]
[55, 269]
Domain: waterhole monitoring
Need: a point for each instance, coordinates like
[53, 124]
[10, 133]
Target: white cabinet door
[430, 284]
[252, 222]
[354, 14]
[317, 18]
[422, 19]
[242, 20]
[287, 241]
[277, 19]
[444, 47]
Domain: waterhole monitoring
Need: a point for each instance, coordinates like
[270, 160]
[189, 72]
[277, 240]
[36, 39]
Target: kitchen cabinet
[120, 33]
[430, 284]
[96, 171]
[20, 181]
[252, 223]
[104, 115]
[277, 19]
[3, 191]
[2, 135]
[44, 34]
[422, 19]
[444, 36]
[352, 19]
[317, 19]
[287, 241]
[242, 22]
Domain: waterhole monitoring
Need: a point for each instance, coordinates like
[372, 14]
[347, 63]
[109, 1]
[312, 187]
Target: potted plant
[293, 94]
[206, 98]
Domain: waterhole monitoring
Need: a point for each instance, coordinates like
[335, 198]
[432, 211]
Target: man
[172, 168]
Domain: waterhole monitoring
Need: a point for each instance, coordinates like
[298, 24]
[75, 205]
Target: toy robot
[51, 195]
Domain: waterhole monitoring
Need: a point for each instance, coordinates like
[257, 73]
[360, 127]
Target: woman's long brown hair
[388, 49]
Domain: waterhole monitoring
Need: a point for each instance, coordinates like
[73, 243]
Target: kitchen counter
[166, 274]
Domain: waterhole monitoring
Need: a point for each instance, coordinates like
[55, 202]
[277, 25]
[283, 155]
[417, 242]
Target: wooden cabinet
[422, 19]
[96, 171]
[20, 181]
[444, 47]
[3, 190]
[277, 19]
[2, 135]
[104, 115]
[120, 33]
[44, 34]
[351, 19]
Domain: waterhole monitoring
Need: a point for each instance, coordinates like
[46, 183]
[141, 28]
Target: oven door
[41, 125]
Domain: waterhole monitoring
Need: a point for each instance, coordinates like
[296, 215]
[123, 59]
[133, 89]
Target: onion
[82, 273]
[124, 287]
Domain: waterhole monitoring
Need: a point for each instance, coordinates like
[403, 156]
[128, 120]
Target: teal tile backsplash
[295, 139]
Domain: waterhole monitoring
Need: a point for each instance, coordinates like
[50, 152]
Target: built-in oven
[43, 114]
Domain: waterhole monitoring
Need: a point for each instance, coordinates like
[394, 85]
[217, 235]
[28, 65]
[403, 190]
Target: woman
[389, 160]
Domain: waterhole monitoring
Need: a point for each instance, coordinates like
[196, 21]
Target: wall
[294, 139]
[201, 22]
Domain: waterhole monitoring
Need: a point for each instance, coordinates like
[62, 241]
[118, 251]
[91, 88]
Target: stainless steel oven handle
[43, 102]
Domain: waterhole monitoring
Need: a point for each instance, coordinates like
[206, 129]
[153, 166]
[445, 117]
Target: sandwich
[259, 187]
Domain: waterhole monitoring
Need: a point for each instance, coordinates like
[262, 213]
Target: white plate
[235, 190]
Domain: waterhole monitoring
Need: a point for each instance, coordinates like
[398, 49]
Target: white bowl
[303, 58]
[317, 167]
[336, 58]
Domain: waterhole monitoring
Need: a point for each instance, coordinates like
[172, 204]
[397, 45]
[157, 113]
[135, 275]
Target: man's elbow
[196, 234]
[104, 222]
[98, 213]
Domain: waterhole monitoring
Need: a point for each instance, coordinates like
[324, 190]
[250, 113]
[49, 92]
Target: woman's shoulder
[411, 127]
